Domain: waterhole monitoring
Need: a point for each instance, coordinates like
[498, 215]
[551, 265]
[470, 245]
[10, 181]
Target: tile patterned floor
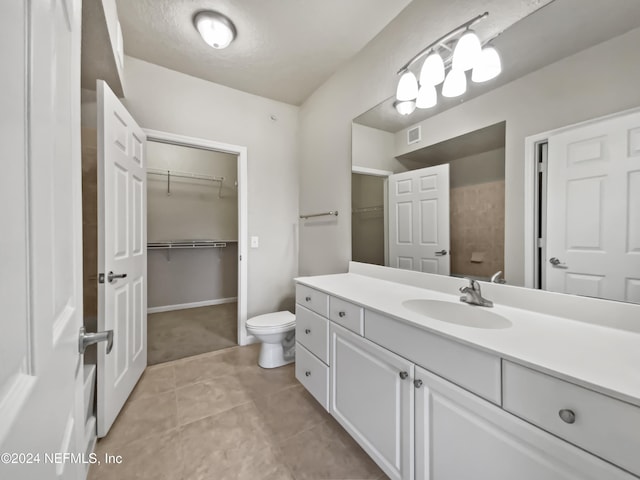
[220, 416]
[185, 333]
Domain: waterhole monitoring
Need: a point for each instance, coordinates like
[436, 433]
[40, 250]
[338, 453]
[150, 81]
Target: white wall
[373, 148]
[366, 80]
[165, 100]
[600, 80]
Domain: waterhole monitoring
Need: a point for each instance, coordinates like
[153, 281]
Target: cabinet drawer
[313, 374]
[312, 331]
[312, 299]
[347, 314]
[602, 425]
[474, 370]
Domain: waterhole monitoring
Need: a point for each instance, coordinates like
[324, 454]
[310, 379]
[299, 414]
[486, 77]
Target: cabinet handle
[342, 314]
[307, 373]
[403, 375]
[417, 383]
[307, 299]
[567, 416]
[307, 331]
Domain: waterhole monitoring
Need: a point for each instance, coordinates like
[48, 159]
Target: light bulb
[432, 72]
[466, 52]
[214, 28]
[427, 97]
[455, 84]
[407, 87]
[406, 107]
[489, 65]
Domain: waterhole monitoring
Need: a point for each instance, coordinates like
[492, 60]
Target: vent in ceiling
[414, 135]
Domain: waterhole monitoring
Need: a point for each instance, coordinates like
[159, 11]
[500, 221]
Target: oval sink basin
[457, 313]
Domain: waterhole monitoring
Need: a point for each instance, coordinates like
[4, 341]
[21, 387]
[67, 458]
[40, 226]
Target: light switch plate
[255, 242]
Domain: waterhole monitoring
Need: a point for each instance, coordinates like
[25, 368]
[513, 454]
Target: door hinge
[540, 242]
[541, 167]
[101, 278]
[240, 258]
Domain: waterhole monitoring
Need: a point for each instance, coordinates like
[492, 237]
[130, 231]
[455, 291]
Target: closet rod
[193, 176]
[332, 212]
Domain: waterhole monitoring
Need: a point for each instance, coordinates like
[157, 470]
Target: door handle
[557, 263]
[441, 253]
[87, 339]
[112, 276]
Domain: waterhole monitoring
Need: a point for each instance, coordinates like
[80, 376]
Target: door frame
[531, 212]
[243, 258]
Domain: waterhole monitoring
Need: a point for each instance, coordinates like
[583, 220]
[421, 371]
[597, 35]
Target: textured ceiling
[284, 50]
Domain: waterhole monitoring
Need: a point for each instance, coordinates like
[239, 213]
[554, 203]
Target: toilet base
[272, 356]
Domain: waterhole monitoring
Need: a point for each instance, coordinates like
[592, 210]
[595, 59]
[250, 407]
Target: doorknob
[441, 253]
[87, 339]
[557, 263]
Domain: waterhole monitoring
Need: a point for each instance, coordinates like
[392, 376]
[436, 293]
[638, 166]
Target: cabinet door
[372, 398]
[461, 436]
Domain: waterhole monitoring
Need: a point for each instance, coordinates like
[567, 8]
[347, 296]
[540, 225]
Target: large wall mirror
[481, 162]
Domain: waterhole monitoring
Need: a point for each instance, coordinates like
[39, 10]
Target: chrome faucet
[495, 278]
[473, 295]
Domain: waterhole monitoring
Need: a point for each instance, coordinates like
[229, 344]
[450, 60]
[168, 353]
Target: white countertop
[600, 358]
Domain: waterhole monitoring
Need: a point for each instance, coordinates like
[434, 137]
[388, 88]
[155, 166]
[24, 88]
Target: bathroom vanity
[542, 386]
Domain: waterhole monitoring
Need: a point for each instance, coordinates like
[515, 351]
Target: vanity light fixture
[457, 52]
[214, 28]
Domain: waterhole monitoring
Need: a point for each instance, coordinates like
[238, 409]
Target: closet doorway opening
[196, 264]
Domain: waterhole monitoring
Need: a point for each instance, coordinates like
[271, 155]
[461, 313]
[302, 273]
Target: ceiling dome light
[427, 97]
[455, 84]
[432, 72]
[406, 107]
[489, 65]
[215, 29]
[467, 51]
[407, 87]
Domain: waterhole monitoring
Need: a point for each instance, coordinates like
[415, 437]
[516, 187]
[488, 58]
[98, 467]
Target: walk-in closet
[192, 251]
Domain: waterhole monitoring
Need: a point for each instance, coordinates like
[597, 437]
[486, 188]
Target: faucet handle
[473, 284]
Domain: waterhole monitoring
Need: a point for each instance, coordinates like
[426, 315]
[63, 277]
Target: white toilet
[276, 332]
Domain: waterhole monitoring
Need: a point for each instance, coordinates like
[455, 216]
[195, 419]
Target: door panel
[419, 220]
[593, 210]
[122, 238]
[41, 407]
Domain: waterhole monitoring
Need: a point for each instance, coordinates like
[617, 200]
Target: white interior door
[593, 210]
[41, 242]
[419, 220]
[122, 252]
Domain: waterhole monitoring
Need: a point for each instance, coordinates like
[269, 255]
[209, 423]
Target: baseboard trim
[183, 306]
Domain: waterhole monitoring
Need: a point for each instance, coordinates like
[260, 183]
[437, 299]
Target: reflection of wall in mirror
[367, 220]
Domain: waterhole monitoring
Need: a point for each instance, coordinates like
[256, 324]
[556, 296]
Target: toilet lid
[272, 320]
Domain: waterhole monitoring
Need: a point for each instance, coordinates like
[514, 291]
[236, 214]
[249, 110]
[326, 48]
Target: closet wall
[191, 209]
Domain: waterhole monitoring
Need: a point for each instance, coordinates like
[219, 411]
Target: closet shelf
[377, 208]
[188, 244]
[193, 176]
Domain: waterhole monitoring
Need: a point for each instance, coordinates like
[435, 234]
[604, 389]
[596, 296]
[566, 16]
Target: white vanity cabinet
[427, 407]
[461, 436]
[371, 396]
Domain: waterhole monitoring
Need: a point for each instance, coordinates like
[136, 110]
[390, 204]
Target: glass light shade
[455, 84]
[215, 29]
[407, 87]
[406, 107]
[489, 65]
[466, 52]
[432, 72]
[427, 97]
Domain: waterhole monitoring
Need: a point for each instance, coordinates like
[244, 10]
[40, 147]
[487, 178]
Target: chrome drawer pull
[567, 416]
[307, 331]
[307, 299]
[307, 373]
[342, 314]
[403, 375]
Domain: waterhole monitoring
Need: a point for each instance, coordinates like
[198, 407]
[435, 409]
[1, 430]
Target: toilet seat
[270, 322]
